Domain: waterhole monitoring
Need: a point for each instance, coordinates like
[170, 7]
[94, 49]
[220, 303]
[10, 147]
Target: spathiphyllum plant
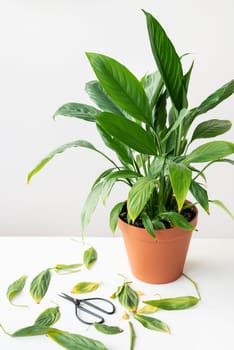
[149, 126]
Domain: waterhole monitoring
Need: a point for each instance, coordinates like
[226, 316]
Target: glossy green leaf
[210, 151]
[200, 194]
[98, 95]
[61, 149]
[71, 341]
[85, 287]
[31, 331]
[180, 177]
[211, 128]
[148, 225]
[132, 335]
[128, 298]
[103, 328]
[167, 60]
[90, 257]
[90, 205]
[177, 220]
[16, 288]
[139, 195]
[114, 215]
[48, 317]
[122, 86]
[152, 323]
[77, 110]
[214, 99]
[128, 132]
[222, 206]
[64, 269]
[40, 285]
[178, 303]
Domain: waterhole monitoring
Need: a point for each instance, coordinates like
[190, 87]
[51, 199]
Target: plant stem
[194, 283]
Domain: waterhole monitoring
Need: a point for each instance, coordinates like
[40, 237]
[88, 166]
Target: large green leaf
[200, 194]
[61, 149]
[122, 86]
[211, 128]
[180, 177]
[127, 131]
[139, 195]
[167, 60]
[77, 110]
[210, 151]
[98, 95]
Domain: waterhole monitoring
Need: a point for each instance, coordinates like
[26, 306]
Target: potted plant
[150, 127]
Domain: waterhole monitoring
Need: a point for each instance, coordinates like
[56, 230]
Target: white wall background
[43, 65]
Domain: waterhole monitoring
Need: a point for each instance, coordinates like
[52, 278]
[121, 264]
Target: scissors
[80, 305]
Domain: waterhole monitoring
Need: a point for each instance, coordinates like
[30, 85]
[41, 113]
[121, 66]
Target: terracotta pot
[156, 261]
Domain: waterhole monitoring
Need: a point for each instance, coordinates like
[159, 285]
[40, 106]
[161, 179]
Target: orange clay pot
[158, 260]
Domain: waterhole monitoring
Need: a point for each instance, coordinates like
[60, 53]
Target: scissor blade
[67, 297]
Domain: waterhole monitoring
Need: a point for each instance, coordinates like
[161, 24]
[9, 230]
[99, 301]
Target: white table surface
[209, 325]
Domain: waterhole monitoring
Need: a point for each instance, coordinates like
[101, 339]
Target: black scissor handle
[89, 303]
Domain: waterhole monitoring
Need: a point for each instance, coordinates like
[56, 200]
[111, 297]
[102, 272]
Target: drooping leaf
[66, 269]
[211, 128]
[178, 303]
[180, 177]
[128, 132]
[132, 335]
[168, 61]
[48, 317]
[77, 110]
[210, 151]
[40, 285]
[222, 206]
[200, 194]
[90, 205]
[152, 323]
[98, 95]
[122, 86]
[16, 288]
[177, 220]
[128, 298]
[85, 287]
[90, 257]
[148, 225]
[114, 215]
[71, 341]
[103, 328]
[139, 195]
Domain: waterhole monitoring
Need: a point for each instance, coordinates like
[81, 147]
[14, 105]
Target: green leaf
[128, 298]
[139, 195]
[187, 76]
[214, 99]
[117, 292]
[200, 194]
[16, 288]
[153, 85]
[148, 225]
[160, 115]
[103, 328]
[180, 177]
[114, 215]
[72, 341]
[85, 287]
[40, 285]
[61, 149]
[152, 323]
[90, 205]
[122, 86]
[167, 60]
[211, 128]
[222, 206]
[90, 257]
[66, 269]
[132, 335]
[177, 220]
[77, 110]
[98, 95]
[156, 166]
[48, 317]
[31, 331]
[178, 303]
[127, 131]
[210, 151]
